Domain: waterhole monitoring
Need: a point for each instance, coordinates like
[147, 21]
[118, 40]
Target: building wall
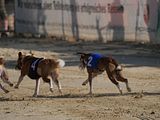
[102, 20]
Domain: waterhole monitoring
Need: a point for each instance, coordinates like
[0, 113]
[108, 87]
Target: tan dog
[4, 75]
[97, 64]
[37, 68]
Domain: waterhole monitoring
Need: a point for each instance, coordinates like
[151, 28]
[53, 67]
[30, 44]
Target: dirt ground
[141, 64]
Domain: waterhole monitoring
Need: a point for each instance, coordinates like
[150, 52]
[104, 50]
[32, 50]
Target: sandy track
[141, 67]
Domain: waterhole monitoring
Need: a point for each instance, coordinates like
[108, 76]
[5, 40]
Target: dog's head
[21, 58]
[19, 61]
[83, 59]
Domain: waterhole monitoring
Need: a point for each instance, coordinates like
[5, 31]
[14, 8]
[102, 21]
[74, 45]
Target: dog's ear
[19, 54]
[81, 53]
[31, 52]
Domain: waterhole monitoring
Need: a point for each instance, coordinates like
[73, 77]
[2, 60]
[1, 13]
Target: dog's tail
[61, 63]
[113, 61]
[119, 68]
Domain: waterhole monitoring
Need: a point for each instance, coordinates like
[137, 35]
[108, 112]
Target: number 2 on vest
[89, 61]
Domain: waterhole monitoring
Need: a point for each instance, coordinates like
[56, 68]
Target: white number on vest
[89, 61]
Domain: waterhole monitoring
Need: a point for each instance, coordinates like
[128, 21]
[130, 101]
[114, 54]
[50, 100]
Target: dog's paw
[121, 92]
[11, 85]
[129, 89]
[90, 94]
[83, 84]
[16, 87]
[51, 89]
[6, 91]
[34, 95]
[60, 92]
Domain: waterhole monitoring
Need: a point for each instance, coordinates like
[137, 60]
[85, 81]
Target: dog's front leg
[19, 81]
[51, 85]
[86, 81]
[90, 83]
[5, 90]
[37, 88]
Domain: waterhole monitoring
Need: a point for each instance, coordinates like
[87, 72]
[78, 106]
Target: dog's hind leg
[56, 81]
[113, 80]
[47, 80]
[119, 77]
[37, 88]
[54, 77]
[5, 90]
[110, 70]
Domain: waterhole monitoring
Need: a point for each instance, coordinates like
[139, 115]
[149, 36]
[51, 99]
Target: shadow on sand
[75, 96]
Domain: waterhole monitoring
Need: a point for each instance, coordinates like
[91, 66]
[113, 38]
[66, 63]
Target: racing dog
[96, 64]
[3, 75]
[37, 68]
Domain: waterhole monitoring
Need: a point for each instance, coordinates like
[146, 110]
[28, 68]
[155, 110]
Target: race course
[141, 65]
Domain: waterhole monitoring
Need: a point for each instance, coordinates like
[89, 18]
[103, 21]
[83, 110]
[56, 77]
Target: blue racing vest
[93, 60]
[33, 68]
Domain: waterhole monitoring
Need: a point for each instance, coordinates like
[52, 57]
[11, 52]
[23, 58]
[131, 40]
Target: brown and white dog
[3, 75]
[37, 68]
[97, 64]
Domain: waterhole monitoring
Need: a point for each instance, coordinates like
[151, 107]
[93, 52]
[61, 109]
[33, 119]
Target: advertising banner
[102, 20]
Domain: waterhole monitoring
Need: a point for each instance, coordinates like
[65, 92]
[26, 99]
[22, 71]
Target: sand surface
[141, 65]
